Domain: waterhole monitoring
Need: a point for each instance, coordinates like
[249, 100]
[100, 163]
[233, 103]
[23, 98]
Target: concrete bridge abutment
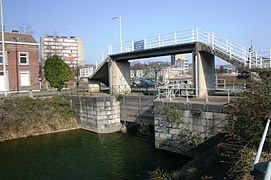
[204, 73]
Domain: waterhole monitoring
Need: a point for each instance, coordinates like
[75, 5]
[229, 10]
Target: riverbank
[24, 116]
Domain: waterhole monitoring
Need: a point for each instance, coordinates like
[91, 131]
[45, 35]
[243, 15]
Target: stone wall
[197, 123]
[99, 114]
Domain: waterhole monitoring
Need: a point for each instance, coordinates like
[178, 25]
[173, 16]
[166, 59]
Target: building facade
[86, 71]
[22, 64]
[71, 49]
[180, 61]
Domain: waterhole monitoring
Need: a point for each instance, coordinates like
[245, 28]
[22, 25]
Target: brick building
[22, 62]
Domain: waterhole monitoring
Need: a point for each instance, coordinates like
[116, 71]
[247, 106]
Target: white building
[180, 61]
[71, 49]
[86, 71]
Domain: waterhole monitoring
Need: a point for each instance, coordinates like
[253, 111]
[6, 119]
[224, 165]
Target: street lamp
[3, 48]
[119, 17]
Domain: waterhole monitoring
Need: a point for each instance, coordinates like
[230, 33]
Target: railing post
[197, 34]
[133, 48]
[193, 35]
[159, 40]
[108, 50]
[257, 158]
[213, 41]
[175, 37]
[230, 50]
[209, 39]
[244, 57]
[102, 57]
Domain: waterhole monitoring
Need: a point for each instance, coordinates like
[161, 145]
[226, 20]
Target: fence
[189, 93]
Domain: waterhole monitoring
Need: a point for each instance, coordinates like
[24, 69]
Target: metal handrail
[188, 92]
[259, 152]
[217, 42]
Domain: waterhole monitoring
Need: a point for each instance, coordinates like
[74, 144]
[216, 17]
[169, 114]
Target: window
[23, 58]
[25, 78]
[1, 58]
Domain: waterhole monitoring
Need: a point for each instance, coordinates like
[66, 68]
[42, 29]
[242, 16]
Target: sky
[239, 20]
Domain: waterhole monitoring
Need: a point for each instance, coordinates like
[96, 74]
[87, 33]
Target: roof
[17, 37]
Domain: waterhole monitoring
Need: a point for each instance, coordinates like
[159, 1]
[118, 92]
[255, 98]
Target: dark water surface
[80, 154]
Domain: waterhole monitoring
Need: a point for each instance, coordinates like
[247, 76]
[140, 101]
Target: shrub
[170, 113]
[245, 125]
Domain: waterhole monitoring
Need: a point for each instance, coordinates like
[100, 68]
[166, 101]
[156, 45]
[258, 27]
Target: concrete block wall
[99, 114]
[199, 122]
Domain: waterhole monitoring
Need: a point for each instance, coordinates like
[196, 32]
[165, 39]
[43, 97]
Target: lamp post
[3, 48]
[119, 17]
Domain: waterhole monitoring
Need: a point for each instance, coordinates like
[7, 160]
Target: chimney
[15, 31]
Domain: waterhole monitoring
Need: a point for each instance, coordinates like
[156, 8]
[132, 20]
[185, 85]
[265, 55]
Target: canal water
[80, 154]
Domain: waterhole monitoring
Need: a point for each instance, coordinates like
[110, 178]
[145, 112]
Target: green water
[83, 155]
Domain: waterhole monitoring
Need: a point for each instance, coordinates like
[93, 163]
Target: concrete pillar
[195, 72]
[204, 73]
[119, 77]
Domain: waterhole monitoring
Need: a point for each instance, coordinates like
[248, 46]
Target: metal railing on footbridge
[189, 93]
[257, 59]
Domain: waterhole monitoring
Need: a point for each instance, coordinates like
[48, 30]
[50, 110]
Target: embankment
[24, 116]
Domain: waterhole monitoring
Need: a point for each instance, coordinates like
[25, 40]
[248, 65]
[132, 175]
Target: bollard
[31, 93]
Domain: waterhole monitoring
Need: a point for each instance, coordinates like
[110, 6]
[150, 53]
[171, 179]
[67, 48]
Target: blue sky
[239, 20]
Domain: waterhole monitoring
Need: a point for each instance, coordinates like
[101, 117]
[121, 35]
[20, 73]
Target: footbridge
[114, 71]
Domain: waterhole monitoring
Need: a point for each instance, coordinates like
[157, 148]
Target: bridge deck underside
[155, 52]
[102, 74]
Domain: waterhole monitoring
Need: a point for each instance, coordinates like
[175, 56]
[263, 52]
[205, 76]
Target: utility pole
[3, 49]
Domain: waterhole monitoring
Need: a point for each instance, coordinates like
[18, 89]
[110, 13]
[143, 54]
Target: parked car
[144, 83]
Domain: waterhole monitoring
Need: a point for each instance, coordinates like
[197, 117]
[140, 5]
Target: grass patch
[25, 116]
